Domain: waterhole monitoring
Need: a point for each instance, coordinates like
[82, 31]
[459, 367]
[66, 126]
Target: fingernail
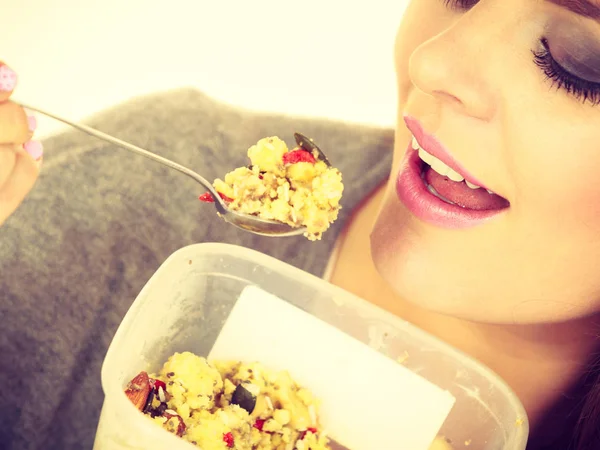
[32, 122]
[8, 79]
[35, 149]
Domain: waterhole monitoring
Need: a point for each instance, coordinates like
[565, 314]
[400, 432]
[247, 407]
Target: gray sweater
[99, 223]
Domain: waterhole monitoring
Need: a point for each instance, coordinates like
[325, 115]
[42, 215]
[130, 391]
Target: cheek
[556, 173]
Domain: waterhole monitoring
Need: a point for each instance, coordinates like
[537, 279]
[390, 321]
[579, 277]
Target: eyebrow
[586, 8]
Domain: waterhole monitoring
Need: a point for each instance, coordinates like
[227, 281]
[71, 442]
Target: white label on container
[368, 401]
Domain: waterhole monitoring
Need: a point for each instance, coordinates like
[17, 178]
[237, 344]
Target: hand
[20, 157]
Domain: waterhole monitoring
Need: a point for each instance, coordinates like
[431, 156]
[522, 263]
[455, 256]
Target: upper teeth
[439, 166]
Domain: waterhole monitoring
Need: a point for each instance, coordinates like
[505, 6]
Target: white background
[328, 58]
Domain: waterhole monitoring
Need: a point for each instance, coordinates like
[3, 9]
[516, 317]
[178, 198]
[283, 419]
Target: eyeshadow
[576, 47]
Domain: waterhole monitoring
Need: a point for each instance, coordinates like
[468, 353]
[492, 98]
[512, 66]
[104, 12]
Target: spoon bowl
[246, 222]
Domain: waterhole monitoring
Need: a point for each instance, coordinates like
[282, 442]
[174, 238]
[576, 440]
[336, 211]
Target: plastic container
[186, 302]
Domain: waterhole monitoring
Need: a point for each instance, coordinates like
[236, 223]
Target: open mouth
[438, 190]
[451, 186]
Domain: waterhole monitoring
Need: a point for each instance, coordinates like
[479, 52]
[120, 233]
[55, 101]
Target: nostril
[438, 70]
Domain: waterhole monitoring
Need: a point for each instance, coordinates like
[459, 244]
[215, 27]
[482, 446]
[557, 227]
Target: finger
[14, 124]
[8, 81]
[18, 184]
[8, 159]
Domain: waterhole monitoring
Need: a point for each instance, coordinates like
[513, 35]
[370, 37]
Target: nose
[451, 68]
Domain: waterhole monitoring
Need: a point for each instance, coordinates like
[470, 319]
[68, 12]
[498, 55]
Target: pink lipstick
[435, 198]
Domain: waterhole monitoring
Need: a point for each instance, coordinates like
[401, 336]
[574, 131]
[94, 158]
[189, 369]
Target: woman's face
[506, 93]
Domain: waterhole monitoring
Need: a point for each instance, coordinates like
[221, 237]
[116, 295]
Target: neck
[539, 362]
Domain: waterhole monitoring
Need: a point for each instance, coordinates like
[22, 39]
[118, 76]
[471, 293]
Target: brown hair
[587, 430]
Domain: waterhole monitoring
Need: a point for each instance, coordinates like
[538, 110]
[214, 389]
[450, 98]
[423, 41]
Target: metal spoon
[246, 222]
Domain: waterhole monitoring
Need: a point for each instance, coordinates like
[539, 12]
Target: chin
[412, 257]
[412, 263]
[435, 268]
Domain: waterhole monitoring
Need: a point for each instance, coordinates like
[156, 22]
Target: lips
[435, 148]
[441, 191]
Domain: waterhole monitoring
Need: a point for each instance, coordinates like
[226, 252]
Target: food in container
[229, 405]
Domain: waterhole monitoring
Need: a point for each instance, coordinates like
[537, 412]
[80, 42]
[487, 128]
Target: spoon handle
[135, 149]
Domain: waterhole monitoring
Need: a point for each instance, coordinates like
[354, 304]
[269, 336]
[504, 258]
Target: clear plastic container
[186, 302]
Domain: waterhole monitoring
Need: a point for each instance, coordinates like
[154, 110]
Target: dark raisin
[243, 398]
[170, 374]
[148, 405]
[159, 410]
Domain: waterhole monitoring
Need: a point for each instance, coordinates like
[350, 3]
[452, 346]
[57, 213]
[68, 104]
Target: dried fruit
[158, 411]
[296, 156]
[157, 384]
[180, 427]
[207, 198]
[259, 424]
[309, 429]
[228, 439]
[148, 406]
[138, 390]
[244, 398]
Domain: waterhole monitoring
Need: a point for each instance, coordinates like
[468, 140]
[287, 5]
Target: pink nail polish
[32, 122]
[35, 149]
[8, 79]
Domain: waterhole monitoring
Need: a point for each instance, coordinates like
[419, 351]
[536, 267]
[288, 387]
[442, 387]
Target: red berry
[303, 434]
[224, 197]
[296, 156]
[228, 439]
[207, 198]
[259, 424]
[158, 384]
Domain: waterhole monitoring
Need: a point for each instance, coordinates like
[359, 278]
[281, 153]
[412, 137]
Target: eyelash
[460, 5]
[560, 78]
